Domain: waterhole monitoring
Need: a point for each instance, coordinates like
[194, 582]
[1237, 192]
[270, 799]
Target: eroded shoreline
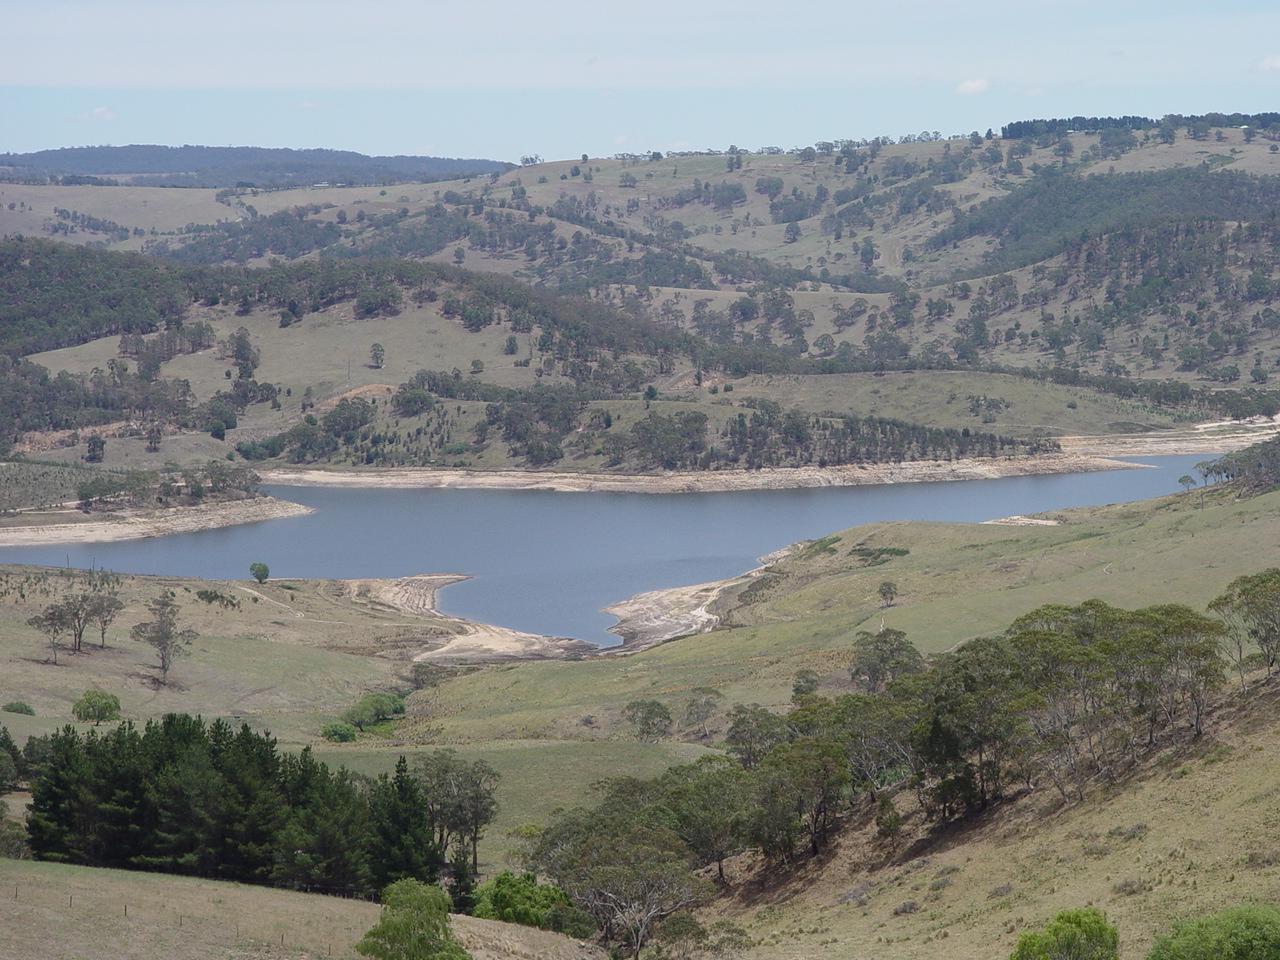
[142, 524]
[712, 481]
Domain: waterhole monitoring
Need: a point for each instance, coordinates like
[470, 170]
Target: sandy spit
[137, 525]
[717, 481]
[470, 642]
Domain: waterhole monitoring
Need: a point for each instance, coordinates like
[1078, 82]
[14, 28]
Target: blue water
[547, 562]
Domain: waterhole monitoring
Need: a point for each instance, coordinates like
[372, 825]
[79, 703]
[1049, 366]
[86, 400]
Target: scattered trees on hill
[88, 599]
[1067, 696]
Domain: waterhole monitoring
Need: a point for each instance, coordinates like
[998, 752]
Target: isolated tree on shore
[95, 706]
[259, 571]
[163, 633]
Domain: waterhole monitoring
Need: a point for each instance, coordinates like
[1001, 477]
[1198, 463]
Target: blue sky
[502, 79]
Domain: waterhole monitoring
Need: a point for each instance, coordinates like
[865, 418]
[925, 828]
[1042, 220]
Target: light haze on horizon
[505, 79]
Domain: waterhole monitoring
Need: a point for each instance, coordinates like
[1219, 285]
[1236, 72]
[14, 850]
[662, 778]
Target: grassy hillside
[61, 912]
[1189, 834]
[871, 218]
[956, 582]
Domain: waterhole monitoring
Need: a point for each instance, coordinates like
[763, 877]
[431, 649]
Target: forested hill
[200, 166]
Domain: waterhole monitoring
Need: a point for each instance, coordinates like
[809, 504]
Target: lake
[547, 562]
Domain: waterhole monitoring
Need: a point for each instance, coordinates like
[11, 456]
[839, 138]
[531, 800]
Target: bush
[1241, 933]
[338, 732]
[1071, 935]
[13, 841]
[374, 708]
[520, 899]
[888, 819]
[95, 706]
[17, 706]
[414, 924]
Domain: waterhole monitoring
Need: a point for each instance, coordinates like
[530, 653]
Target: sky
[505, 79]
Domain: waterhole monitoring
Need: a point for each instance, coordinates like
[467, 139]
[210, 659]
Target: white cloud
[971, 88]
[99, 113]
[1269, 64]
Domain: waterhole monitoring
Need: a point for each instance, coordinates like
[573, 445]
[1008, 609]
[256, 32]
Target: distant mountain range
[199, 166]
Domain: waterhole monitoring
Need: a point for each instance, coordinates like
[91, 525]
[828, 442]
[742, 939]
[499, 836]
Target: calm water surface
[548, 562]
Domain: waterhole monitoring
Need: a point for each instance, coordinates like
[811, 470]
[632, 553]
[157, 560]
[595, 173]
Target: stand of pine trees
[184, 796]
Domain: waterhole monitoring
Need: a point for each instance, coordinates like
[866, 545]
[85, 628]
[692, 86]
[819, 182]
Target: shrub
[414, 923]
[374, 708]
[906, 907]
[888, 819]
[17, 706]
[1071, 935]
[338, 732]
[1240, 933]
[1128, 888]
[13, 841]
[95, 706]
[520, 899]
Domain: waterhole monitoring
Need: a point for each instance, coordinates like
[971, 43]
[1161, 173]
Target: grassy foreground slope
[1191, 833]
[59, 912]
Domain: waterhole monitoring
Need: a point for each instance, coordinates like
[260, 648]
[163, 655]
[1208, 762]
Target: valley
[871, 546]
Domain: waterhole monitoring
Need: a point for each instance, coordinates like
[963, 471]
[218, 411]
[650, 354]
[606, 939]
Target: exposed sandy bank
[471, 641]
[651, 618]
[139, 524]
[1018, 520]
[1216, 437]
[716, 481]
